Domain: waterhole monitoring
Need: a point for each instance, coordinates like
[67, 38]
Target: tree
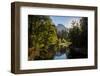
[78, 33]
[41, 32]
[84, 31]
[74, 34]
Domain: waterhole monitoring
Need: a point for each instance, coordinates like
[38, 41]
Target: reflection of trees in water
[77, 53]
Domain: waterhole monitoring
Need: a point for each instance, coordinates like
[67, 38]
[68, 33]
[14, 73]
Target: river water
[59, 55]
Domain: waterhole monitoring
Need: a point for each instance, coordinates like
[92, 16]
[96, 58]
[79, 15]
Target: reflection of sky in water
[65, 20]
[63, 56]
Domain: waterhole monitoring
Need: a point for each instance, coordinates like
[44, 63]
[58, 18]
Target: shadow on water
[77, 52]
[72, 53]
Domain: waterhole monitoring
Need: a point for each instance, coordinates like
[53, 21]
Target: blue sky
[65, 20]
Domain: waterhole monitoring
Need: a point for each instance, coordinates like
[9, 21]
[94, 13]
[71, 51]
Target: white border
[25, 64]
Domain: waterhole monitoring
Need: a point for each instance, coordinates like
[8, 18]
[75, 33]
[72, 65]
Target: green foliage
[84, 32]
[42, 33]
[78, 33]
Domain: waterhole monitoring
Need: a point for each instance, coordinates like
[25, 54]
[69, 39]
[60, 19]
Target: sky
[65, 20]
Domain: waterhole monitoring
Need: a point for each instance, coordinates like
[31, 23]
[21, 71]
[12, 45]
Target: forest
[46, 41]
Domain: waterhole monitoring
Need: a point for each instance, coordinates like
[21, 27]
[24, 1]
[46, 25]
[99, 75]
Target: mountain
[60, 27]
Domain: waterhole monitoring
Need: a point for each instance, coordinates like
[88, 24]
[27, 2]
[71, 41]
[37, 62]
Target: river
[59, 55]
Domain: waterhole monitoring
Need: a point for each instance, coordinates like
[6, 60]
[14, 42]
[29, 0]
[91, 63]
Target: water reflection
[71, 54]
[60, 55]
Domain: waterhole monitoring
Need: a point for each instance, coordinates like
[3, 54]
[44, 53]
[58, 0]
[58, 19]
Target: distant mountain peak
[61, 27]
